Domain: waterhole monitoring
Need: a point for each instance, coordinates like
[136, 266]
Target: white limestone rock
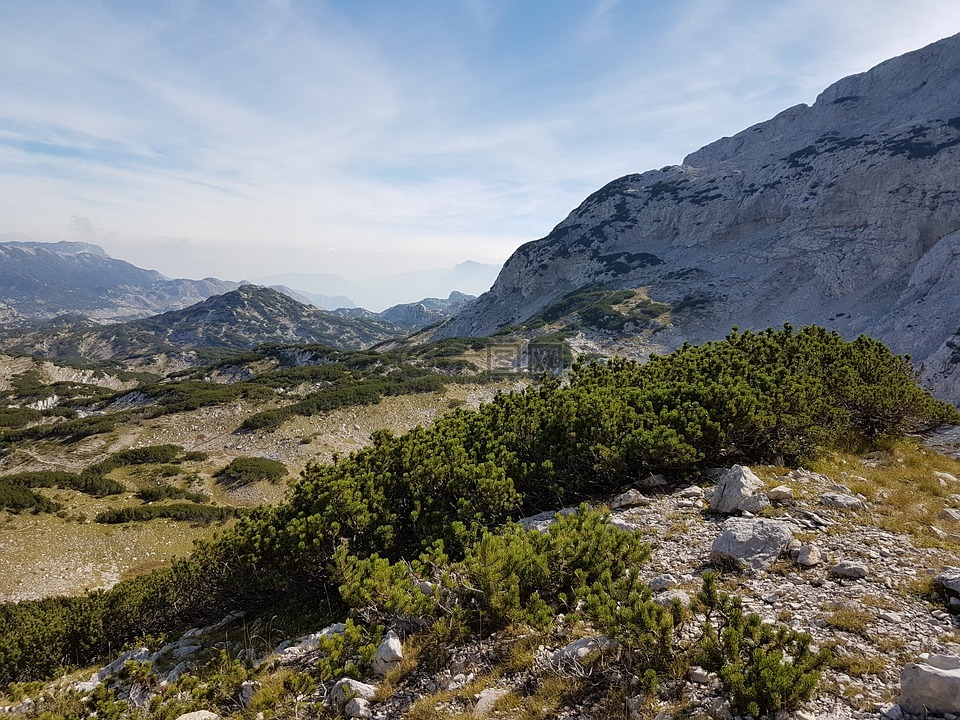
[927, 689]
[628, 499]
[348, 688]
[780, 493]
[736, 485]
[842, 501]
[389, 654]
[850, 569]
[750, 543]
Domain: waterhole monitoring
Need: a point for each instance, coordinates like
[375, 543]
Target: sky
[361, 138]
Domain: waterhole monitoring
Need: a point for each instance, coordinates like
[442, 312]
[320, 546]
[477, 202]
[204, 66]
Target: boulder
[486, 701]
[950, 514]
[653, 482]
[949, 579]
[842, 501]
[809, 556]
[628, 499]
[347, 688]
[389, 654]
[357, 708]
[754, 504]
[662, 582]
[579, 651]
[667, 598]
[751, 543]
[199, 715]
[735, 486]
[849, 569]
[927, 689]
[780, 493]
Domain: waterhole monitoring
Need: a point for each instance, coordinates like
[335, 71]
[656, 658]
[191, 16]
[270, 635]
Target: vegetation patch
[246, 470]
[433, 505]
[175, 511]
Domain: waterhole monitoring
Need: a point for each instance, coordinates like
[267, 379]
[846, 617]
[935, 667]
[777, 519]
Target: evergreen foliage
[437, 494]
[246, 470]
[175, 511]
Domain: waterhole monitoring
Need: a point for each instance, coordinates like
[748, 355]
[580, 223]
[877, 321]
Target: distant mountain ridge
[237, 320]
[845, 213]
[42, 280]
[380, 293]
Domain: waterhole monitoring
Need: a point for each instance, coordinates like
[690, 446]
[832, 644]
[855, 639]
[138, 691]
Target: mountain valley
[578, 495]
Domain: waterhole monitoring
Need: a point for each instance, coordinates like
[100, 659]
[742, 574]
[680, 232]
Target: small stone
[698, 675]
[247, 690]
[945, 476]
[890, 617]
[486, 700]
[849, 569]
[635, 706]
[809, 556]
[754, 504]
[694, 491]
[950, 514]
[662, 582]
[780, 493]
[893, 713]
[628, 499]
[389, 654]
[357, 708]
[199, 715]
[842, 501]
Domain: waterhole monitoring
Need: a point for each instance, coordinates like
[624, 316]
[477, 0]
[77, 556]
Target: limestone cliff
[844, 213]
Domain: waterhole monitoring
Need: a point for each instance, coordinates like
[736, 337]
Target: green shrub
[86, 482]
[18, 417]
[765, 668]
[176, 511]
[17, 498]
[170, 492]
[246, 470]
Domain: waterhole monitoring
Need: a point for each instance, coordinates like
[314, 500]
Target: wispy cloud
[243, 140]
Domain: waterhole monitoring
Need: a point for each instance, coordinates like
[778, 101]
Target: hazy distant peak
[63, 247]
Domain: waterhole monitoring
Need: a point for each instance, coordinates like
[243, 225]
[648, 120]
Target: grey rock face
[843, 213]
[928, 689]
[750, 543]
[949, 579]
[736, 485]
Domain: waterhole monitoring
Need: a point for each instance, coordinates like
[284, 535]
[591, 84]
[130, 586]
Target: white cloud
[258, 136]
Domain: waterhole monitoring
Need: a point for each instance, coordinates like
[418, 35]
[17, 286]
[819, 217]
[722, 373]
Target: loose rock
[736, 485]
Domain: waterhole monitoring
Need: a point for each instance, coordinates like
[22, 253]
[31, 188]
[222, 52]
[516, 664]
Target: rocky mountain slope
[418, 315]
[844, 213]
[44, 280]
[238, 320]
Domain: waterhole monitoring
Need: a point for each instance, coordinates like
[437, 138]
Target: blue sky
[366, 137]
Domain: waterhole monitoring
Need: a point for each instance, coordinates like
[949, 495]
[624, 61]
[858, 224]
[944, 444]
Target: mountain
[238, 320]
[44, 280]
[844, 213]
[428, 311]
[379, 293]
